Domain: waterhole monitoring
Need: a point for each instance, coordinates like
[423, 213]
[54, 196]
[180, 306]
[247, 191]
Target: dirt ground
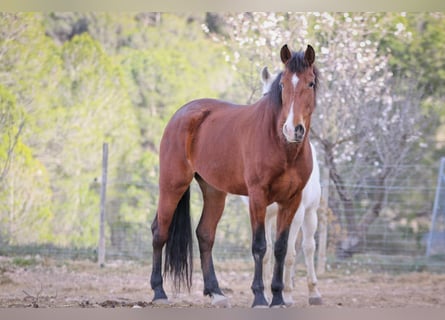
[51, 283]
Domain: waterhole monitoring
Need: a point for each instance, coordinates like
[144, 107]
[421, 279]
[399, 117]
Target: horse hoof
[161, 302]
[279, 306]
[315, 301]
[289, 302]
[220, 301]
[260, 306]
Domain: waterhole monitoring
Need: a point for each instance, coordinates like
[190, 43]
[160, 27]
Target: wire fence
[396, 239]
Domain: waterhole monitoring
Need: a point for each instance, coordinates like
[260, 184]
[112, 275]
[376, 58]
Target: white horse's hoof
[289, 302]
[220, 301]
[315, 301]
[260, 306]
[279, 306]
[161, 302]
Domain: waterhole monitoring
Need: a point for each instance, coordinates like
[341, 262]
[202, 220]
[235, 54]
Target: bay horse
[261, 150]
[305, 218]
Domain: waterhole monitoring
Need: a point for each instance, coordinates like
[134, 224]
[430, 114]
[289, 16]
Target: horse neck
[269, 117]
[295, 150]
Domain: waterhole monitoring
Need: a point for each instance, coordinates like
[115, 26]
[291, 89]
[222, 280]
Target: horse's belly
[222, 177]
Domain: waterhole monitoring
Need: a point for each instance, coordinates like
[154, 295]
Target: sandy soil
[51, 283]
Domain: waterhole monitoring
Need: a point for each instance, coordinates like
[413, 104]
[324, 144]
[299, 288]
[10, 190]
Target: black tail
[179, 246]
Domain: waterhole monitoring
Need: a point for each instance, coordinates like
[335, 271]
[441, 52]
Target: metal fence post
[439, 207]
[103, 189]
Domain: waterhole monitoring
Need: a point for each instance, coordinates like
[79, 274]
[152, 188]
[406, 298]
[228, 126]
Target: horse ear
[265, 75]
[285, 54]
[309, 55]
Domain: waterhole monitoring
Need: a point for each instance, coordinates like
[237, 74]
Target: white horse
[305, 218]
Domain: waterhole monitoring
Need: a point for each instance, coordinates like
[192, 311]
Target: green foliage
[10, 121]
[25, 197]
[94, 108]
[417, 45]
[70, 81]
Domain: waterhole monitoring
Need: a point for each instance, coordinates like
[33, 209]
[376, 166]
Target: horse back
[206, 135]
[233, 148]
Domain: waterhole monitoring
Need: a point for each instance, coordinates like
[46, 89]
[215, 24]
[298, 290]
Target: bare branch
[12, 144]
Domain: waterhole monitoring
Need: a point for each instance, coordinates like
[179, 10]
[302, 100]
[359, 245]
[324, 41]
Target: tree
[11, 125]
[369, 118]
[357, 82]
[92, 107]
[252, 40]
[25, 195]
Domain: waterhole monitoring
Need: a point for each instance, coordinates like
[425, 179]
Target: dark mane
[297, 64]
[275, 91]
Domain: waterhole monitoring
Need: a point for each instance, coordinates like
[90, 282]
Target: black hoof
[260, 302]
[159, 295]
[277, 301]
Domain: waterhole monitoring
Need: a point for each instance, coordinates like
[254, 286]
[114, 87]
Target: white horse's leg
[309, 228]
[290, 260]
[269, 224]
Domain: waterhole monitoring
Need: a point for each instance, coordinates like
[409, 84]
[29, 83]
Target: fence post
[438, 208]
[323, 222]
[103, 189]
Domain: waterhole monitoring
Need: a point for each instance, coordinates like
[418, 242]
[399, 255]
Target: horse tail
[179, 246]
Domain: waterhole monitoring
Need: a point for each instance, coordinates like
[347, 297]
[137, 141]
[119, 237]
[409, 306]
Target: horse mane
[296, 64]
[275, 91]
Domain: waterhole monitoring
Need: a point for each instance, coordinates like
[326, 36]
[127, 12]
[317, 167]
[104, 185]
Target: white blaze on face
[294, 80]
[289, 126]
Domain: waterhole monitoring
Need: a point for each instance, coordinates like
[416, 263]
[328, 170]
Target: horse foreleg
[257, 217]
[277, 286]
[258, 251]
[284, 221]
[309, 228]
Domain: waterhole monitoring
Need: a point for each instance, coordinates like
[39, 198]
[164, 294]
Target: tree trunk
[355, 240]
[351, 240]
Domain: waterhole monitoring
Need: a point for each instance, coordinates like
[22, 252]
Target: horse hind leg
[171, 201]
[213, 207]
[156, 280]
[309, 228]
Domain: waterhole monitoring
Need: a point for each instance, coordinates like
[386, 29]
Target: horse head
[267, 80]
[295, 90]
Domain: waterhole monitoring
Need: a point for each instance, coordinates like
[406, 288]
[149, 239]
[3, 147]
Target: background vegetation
[71, 81]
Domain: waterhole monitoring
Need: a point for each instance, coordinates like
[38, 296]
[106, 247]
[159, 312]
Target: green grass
[24, 262]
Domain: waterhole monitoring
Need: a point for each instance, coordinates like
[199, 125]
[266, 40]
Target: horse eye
[311, 84]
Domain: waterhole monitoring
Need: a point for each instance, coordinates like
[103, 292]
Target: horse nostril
[299, 129]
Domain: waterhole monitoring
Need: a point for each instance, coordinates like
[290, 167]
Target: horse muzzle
[295, 134]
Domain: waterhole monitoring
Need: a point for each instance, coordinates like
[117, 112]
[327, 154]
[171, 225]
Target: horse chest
[286, 186]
